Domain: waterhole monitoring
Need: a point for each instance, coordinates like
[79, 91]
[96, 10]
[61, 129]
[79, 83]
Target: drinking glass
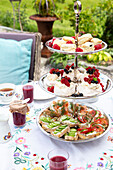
[58, 159]
[28, 90]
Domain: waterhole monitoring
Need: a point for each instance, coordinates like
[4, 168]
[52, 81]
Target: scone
[59, 42]
[68, 47]
[84, 38]
[96, 41]
[87, 47]
[66, 38]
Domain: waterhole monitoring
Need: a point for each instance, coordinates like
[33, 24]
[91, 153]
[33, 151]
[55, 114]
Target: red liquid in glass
[28, 92]
[19, 119]
[58, 163]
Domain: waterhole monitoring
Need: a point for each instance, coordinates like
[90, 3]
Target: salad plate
[104, 117]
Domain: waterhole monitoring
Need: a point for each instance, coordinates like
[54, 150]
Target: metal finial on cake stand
[77, 10]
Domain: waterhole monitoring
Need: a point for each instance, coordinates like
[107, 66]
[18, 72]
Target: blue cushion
[15, 58]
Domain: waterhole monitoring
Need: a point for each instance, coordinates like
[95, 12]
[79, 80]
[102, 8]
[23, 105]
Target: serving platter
[104, 46]
[80, 140]
[106, 81]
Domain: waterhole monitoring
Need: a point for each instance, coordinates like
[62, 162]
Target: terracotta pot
[45, 25]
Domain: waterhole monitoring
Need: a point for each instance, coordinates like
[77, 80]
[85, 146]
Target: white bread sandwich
[60, 131]
[72, 135]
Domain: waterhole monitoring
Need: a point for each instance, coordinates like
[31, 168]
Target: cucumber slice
[46, 119]
[51, 125]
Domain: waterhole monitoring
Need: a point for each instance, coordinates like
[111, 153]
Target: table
[28, 148]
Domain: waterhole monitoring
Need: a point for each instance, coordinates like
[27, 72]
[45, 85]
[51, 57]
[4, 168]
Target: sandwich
[51, 126]
[68, 121]
[60, 131]
[72, 135]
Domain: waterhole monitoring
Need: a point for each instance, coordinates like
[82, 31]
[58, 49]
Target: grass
[59, 29]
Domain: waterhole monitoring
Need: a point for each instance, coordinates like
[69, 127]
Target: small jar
[19, 110]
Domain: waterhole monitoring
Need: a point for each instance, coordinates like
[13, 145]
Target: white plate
[77, 141]
[40, 94]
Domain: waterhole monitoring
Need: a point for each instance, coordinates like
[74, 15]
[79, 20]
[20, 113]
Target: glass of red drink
[28, 90]
[58, 159]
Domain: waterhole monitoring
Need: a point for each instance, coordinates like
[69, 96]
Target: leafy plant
[47, 7]
[58, 60]
[94, 20]
[6, 19]
[108, 30]
[110, 51]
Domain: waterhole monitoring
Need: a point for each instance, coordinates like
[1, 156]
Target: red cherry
[86, 79]
[72, 64]
[53, 40]
[68, 78]
[73, 37]
[61, 72]
[67, 83]
[48, 88]
[98, 46]
[79, 50]
[63, 80]
[67, 67]
[50, 44]
[88, 68]
[55, 46]
[51, 71]
[69, 42]
[51, 89]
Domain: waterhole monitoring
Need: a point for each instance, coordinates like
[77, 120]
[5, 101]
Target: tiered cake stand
[103, 78]
[106, 81]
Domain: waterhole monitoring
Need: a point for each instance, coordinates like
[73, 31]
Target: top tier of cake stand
[105, 80]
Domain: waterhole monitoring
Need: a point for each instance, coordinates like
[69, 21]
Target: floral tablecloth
[28, 147]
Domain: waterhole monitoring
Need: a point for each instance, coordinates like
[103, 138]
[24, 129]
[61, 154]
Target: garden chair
[34, 69]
